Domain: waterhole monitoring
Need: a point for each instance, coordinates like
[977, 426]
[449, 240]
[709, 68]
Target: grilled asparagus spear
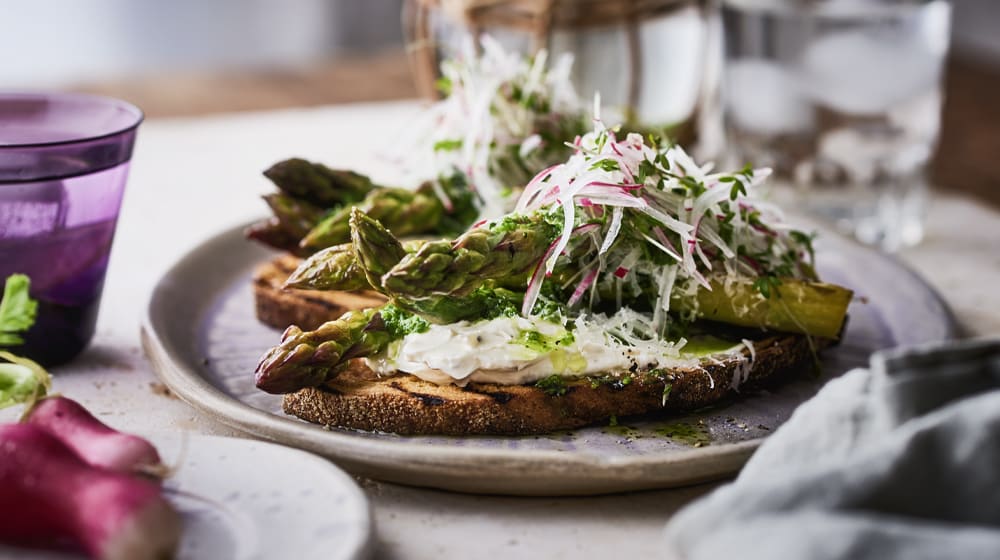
[308, 358]
[318, 184]
[799, 306]
[494, 253]
[333, 268]
[403, 212]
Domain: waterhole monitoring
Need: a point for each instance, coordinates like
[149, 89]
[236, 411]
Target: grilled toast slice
[308, 309]
[360, 399]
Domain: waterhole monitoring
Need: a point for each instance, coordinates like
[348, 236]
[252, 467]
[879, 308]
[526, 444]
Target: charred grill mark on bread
[502, 397]
[429, 400]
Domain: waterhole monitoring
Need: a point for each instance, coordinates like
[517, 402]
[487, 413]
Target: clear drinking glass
[64, 159]
[842, 98]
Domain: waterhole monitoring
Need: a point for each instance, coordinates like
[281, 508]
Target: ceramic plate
[202, 337]
[243, 499]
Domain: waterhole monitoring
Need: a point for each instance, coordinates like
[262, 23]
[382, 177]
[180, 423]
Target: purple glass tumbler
[64, 159]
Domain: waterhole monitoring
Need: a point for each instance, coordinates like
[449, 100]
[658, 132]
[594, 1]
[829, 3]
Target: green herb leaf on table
[22, 381]
[17, 310]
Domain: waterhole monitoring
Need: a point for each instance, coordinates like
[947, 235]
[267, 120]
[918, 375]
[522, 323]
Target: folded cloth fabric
[901, 461]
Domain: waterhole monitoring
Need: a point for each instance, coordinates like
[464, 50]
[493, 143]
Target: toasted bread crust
[403, 404]
[278, 308]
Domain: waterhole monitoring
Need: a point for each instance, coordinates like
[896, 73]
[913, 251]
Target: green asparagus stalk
[317, 183]
[328, 232]
[296, 216]
[336, 268]
[308, 359]
[375, 247]
[333, 268]
[793, 306]
[291, 219]
[456, 268]
[271, 232]
[797, 306]
[402, 211]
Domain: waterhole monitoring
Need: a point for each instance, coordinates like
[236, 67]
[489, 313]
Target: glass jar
[842, 99]
[654, 62]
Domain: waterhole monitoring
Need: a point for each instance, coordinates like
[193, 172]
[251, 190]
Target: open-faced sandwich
[626, 280]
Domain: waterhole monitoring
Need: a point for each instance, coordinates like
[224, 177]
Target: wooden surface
[378, 77]
[968, 158]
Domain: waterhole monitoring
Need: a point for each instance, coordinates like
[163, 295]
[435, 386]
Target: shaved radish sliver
[582, 287]
[535, 283]
[616, 225]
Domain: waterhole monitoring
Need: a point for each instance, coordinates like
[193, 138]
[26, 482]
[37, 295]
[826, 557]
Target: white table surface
[194, 177]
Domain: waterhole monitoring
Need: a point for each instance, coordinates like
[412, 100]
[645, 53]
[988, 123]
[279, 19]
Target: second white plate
[249, 499]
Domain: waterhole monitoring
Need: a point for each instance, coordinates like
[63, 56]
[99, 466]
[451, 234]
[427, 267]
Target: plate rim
[409, 462]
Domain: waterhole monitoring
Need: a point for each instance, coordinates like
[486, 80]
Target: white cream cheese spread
[520, 350]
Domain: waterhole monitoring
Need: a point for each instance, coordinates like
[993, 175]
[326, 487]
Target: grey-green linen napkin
[901, 461]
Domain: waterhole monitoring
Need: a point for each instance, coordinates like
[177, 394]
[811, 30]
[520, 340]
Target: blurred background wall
[976, 29]
[54, 43]
[192, 57]
[51, 43]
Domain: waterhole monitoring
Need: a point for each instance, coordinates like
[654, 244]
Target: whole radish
[98, 444]
[49, 495]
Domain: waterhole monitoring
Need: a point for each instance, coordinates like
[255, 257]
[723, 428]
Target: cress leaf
[22, 381]
[17, 310]
[447, 145]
